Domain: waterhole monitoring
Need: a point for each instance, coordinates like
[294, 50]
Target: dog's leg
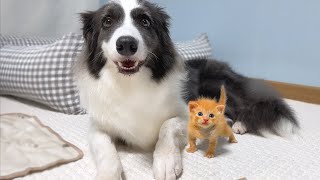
[105, 155]
[167, 162]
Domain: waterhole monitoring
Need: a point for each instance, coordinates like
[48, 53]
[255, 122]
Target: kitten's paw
[167, 166]
[239, 128]
[191, 150]
[209, 154]
[233, 141]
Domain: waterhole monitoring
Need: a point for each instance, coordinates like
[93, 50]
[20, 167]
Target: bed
[254, 157]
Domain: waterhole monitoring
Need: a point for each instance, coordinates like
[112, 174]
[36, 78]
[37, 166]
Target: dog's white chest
[135, 108]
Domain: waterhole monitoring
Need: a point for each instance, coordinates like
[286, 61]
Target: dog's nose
[127, 45]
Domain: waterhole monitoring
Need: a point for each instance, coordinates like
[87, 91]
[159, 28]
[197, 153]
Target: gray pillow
[42, 73]
[198, 48]
[24, 41]
[39, 69]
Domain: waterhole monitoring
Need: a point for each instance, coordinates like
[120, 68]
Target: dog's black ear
[90, 35]
[164, 20]
[161, 18]
[90, 32]
[87, 19]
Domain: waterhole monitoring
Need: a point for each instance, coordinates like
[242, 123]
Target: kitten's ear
[192, 105]
[220, 108]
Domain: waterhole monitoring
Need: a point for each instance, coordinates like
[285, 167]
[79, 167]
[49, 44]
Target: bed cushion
[198, 48]
[42, 73]
[24, 41]
[39, 69]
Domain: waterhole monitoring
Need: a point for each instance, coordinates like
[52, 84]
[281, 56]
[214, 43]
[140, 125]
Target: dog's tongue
[128, 64]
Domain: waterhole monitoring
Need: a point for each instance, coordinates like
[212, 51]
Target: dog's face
[129, 34]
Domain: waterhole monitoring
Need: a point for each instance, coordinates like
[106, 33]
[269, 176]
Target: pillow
[40, 69]
[24, 41]
[199, 48]
[42, 73]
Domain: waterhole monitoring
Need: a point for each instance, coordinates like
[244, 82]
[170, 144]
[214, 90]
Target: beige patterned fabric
[28, 146]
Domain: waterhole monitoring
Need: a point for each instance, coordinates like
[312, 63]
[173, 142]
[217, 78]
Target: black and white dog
[135, 88]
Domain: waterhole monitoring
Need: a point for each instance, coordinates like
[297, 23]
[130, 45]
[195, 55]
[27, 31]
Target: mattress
[254, 157]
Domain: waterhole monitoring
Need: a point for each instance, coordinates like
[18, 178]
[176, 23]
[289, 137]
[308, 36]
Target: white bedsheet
[253, 157]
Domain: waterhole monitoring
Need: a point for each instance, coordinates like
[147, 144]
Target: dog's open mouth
[129, 66]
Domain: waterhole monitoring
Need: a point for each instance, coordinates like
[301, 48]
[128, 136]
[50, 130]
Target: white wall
[49, 18]
[272, 39]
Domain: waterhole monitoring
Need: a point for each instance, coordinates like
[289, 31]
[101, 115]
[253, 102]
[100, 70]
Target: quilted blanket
[253, 157]
[27, 146]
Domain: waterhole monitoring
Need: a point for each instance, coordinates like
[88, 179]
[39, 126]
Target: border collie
[135, 87]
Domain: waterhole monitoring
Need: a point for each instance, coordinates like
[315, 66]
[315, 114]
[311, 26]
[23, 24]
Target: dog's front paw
[239, 128]
[167, 166]
[104, 176]
[114, 173]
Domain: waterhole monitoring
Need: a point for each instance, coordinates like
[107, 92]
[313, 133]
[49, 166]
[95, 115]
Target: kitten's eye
[200, 114]
[211, 115]
[107, 22]
[145, 22]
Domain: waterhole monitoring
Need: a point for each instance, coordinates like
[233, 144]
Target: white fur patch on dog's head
[127, 28]
[128, 35]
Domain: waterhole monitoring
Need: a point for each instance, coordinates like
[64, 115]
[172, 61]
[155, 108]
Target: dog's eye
[145, 22]
[211, 115]
[200, 114]
[107, 22]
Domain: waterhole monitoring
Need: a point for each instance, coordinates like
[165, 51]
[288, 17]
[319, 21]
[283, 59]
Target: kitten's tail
[223, 96]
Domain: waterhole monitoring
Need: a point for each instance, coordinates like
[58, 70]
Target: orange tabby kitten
[207, 122]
